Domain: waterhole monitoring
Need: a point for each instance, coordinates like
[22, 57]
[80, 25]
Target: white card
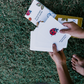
[40, 25]
[35, 47]
[42, 39]
[38, 12]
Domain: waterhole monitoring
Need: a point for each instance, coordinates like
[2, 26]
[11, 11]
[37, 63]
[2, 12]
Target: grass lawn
[19, 65]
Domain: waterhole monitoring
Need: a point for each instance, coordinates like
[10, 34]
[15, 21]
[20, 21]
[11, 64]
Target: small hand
[74, 29]
[58, 57]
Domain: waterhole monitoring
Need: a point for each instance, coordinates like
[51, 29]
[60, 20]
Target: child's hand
[58, 57]
[74, 30]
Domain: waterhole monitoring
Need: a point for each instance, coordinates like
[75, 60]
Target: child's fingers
[54, 48]
[65, 31]
[51, 54]
[67, 24]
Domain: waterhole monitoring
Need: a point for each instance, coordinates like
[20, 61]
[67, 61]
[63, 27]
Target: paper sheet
[38, 12]
[42, 38]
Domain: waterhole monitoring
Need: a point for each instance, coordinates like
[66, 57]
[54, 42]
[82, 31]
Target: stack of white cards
[43, 37]
[48, 30]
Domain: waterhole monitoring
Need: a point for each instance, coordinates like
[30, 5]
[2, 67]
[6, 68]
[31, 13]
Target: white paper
[42, 40]
[38, 12]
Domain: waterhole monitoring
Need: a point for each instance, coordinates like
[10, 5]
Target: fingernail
[54, 44]
[73, 55]
[60, 30]
[63, 24]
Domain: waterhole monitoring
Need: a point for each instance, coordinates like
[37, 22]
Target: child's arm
[60, 61]
[64, 74]
[74, 30]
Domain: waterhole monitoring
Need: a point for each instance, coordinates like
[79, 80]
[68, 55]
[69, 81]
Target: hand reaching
[58, 57]
[74, 30]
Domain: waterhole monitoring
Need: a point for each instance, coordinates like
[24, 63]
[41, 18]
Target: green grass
[19, 65]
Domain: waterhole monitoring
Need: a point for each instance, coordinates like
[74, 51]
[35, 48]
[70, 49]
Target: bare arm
[64, 74]
[60, 61]
[74, 30]
[82, 35]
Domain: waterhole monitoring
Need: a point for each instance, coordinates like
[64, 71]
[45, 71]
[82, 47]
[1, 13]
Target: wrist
[83, 71]
[82, 34]
[60, 64]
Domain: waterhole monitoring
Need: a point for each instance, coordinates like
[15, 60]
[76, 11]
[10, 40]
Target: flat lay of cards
[48, 28]
[37, 13]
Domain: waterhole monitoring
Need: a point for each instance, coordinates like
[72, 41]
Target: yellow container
[80, 20]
